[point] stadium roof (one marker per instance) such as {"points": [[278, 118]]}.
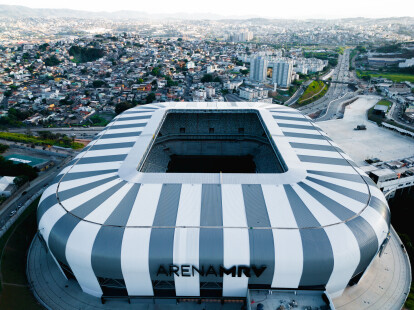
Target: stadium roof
{"points": [[322, 209]]}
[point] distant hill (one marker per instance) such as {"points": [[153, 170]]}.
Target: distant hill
{"points": [[22, 11], [17, 11]]}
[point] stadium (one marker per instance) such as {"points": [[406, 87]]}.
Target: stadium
{"points": [[212, 200]]}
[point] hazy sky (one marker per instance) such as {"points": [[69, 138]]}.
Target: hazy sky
{"points": [[263, 8]]}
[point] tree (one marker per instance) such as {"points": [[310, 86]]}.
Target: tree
{"points": [[98, 83], [85, 54], [51, 61], [121, 107], [43, 47], [244, 71], [207, 78], [156, 71], [217, 79], [154, 85], [170, 82], [150, 98], [20, 180]]}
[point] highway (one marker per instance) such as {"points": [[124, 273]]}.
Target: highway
{"points": [[336, 90], [41, 181], [79, 133]]}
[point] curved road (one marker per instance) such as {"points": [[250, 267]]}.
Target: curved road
{"points": [[336, 90]]}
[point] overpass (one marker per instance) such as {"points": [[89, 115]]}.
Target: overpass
{"points": [[344, 82]]}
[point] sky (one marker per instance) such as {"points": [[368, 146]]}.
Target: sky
{"points": [[260, 8]]}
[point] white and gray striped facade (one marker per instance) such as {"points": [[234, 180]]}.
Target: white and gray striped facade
{"points": [[319, 224]]}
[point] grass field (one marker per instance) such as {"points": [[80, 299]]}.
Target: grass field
{"points": [[395, 77], [18, 137], [315, 90], [385, 102], [15, 293]]}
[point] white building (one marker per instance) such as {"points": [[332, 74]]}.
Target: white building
{"points": [[407, 63], [282, 73], [242, 36], [210, 91], [232, 84], [253, 94], [212, 68], [190, 65], [258, 69], [199, 95], [7, 186]]}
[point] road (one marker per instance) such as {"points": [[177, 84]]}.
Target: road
{"points": [[34, 187], [335, 91], [333, 107], [298, 93], [39, 148], [80, 133], [396, 113], [233, 98]]}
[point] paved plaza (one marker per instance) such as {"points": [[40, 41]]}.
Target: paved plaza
{"points": [[376, 141]]}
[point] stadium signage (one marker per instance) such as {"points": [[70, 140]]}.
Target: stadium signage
{"points": [[191, 270]]}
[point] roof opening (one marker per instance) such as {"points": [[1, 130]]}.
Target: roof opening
{"points": [[208, 141]]}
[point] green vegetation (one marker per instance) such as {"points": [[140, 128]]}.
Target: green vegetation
{"points": [[400, 206], [391, 48], [340, 50], [51, 61], [207, 78], [49, 139], [98, 83], [395, 77], [332, 57], [353, 53], [85, 54], [14, 118], [150, 98], [16, 294], [385, 102], [156, 71], [170, 82], [409, 304], [3, 148], [98, 121], [43, 47], [123, 106], [24, 171], [315, 90]]}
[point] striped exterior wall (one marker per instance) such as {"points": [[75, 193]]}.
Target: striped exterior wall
{"points": [[318, 231]]}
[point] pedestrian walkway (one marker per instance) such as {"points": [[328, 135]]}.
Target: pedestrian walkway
{"points": [[384, 286], [55, 292]]}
